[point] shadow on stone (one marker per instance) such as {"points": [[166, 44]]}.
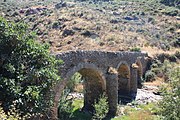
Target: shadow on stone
{"points": [[124, 98]]}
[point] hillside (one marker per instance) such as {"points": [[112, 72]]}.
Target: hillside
{"points": [[100, 25]]}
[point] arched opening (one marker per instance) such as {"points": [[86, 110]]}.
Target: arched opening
{"points": [[139, 73], [92, 85], [123, 82]]}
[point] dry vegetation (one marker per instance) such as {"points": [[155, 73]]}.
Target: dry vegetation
{"points": [[115, 25]]}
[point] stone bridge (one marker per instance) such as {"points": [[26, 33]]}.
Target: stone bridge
{"points": [[115, 73]]}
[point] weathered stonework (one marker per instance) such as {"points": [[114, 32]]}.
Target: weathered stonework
{"points": [[94, 67]]}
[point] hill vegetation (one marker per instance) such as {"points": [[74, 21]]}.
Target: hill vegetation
{"points": [[102, 25]]}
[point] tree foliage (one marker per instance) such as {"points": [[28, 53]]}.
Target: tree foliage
{"points": [[11, 115], [171, 97], [27, 70]]}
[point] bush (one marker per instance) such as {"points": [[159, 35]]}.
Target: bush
{"points": [[171, 2], [65, 109], [55, 25], [166, 69], [163, 69], [136, 49], [171, 11], [157, 72], [75, 80], [101, 108], [12, 115], [169, 106], [150, 76], [27, 70], [177, 54], [172, 58]]}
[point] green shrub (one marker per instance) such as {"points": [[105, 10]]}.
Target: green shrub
{"points": [[166, 69], [169, 106], [75, 80], [65, 109], [154, 65], [12, 115], [157, 72], [172, 58], [101, 108], [135, 49], [171, 11], [55, 25], [171, 2], [177, 54], [150, 76], [27, 70]]}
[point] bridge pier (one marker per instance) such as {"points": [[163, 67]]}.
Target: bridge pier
{"points": [[133, 83], [112, 92], [58, 91]]}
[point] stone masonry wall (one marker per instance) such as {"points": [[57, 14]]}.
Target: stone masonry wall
{"points": [[100, 62]]}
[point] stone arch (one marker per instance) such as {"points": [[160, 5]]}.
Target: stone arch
{"points": [[89, 66], [139, 72], [95, 84], [123, 79]]}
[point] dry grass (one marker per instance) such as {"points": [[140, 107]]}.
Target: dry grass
{"points": [[141, 115], [79, 88], [153, 51], [157, 82]]}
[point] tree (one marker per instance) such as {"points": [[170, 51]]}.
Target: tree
{"points": [[27, 70], [101, 108], [171, 97]]}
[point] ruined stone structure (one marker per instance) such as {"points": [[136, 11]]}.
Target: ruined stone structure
{"points": [[115, 73]]}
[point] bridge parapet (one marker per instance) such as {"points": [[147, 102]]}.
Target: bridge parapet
{"points": [[102, 59]]}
